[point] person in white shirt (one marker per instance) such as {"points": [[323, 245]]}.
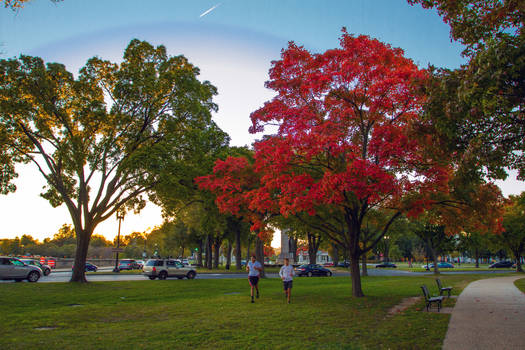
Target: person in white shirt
{"points": [[286, 274], [254, 269]]}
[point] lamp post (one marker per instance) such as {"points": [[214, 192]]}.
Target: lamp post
{"points": [[120, 217]]}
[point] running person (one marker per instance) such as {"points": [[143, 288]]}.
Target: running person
{"points": [[286, 274], [254, 269]]}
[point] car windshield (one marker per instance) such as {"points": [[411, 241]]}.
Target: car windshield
{"points": [[154, 263], [17, 262]]}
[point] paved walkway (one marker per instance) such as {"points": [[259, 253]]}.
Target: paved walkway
{"points": [[489, 314]]}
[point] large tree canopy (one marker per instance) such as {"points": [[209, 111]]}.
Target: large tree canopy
{"points": [[108, 137], [480, 107], [345, 143]]}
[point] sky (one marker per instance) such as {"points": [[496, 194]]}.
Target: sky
{"points": [[232, 42]]}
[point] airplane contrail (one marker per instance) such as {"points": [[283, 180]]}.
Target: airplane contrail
{"points": [[209, 10]]}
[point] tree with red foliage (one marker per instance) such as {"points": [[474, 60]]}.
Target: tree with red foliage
{"points": [[345, 144]]}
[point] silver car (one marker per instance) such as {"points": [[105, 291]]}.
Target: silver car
{"points": [[14, 269], [163, 268]]}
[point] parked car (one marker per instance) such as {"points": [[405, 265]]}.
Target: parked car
{"points": [[328, 264], [141, 264], [46, 270], [312, 270], [502, 264], [386, 265], [343, 264], [163, 268], [14, 269], [441, 265], [89, 267], [128, 264]]}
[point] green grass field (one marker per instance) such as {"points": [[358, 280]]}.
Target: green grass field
{"points": [[520, 284], [216, 314]]}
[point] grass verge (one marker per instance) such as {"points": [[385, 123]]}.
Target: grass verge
{"points": [[520, 284], [216, 314]]}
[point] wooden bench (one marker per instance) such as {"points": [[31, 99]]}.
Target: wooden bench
{"points": [[431, 299], [443, 289]]}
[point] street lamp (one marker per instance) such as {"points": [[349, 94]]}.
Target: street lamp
{"points": [[120, 217]]}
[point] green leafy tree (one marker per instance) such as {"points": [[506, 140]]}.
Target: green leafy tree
{"points": [[513, 237], [105, 139], [478, 108]]}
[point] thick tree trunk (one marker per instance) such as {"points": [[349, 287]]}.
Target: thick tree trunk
{"points": [[181, 252], [293, 248], [313, 247], [229, 255], [476, 254], [79, 267], [357, 291], [335, 254], [363, 265], [259, 253], [238, 253]]}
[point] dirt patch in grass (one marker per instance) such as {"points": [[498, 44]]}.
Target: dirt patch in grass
{"points": [[405, 304]]}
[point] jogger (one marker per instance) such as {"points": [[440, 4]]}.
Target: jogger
{"points": [[254, 269], [286, 274]]}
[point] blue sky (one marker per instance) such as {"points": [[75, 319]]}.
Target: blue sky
{"points": [[233, 45]]}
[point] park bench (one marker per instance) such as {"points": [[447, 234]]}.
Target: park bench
{"points": [[443, 289], [431, 299]]}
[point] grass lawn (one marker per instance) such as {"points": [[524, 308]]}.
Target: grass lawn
{"points": [[216, 314], [520, 284]]}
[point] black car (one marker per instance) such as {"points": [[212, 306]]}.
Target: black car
{"points": [[386, 264], [502, 265], [312, 270], [89, 267]]}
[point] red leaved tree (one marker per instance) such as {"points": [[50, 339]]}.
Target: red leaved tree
{"points": [[345, 145]]}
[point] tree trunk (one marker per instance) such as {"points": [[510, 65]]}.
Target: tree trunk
{"points": [[182, 252], [238, 253], [248, 252], [313, 247], [259, 254], [517, 256], [79, 267], [216, 253], [357, 291], [363, 265], [199, 253], [433, 256], [476, 254], [229, 254], [209, 252], [293, 248], [335, 254]]}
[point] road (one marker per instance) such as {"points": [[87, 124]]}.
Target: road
{"points": [[64, 276]]}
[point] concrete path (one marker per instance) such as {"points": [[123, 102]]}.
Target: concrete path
{"points": [[489, 314]]}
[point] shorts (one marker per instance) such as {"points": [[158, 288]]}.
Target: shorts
{"points": [[287, 284], [253, 280]]}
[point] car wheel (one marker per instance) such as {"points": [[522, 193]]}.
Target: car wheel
{"points": [[309, 274], [47, 272], [163, 275], [152, 277], [33, 276], [191, 275], [329, 274]]}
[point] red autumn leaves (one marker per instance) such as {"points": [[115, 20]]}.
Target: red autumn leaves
{"points": [[345, 137]]}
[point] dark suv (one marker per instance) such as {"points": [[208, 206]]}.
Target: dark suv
{"points": [[163, 268]]}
